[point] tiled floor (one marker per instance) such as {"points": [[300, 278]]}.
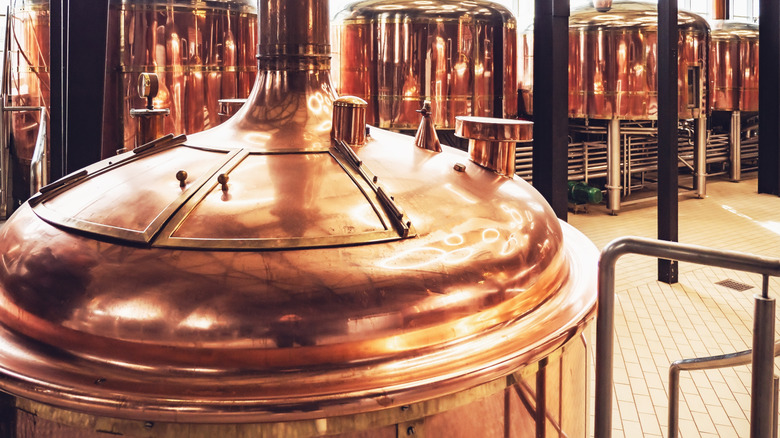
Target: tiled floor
{"points": [[657, 323]]}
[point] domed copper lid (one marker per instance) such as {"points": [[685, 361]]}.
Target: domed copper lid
{"points": [[631, 15], [262, 272]]}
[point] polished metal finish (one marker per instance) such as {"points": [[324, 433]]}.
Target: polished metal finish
{"points": [[396, 54], [229, 107], [506, 407], [763, 366], [39, 167], [426, 137], [733, 66], [294, 278], [602, 5], [150, 120], [613, 63], [735, 146], [700, 157], [613, 166], [202, 51], [349, 120], [492, 141], [25, 87], [605, 320]]}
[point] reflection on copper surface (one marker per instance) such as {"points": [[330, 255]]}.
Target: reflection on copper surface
{"points": [[294, 280], [613, 63], [396, 54], [202, 52], [733, 67], [29, 85]]}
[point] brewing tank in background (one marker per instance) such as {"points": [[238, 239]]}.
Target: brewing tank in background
{"points": [[395, 54], [613, 63], [734, 66], [613, 96], [733, 75], [27, 86], [202, 51]]}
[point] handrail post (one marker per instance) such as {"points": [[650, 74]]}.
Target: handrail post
{"points": [[605, 324], [762, 382]]}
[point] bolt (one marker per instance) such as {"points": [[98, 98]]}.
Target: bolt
{"points": [[99, 380], [410, 430], [148, 425], [405, 408]]}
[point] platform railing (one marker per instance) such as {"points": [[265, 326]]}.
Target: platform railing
{"points": [[762, 387]]}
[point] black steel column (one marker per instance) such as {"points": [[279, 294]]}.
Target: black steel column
{"points": [[78, 48], [769, 98], [667, 133], [551, 88]]}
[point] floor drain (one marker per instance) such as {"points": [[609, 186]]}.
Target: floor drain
{"points": [[731, 284]]}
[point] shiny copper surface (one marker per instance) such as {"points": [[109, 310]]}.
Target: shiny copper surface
{"points": [[261, 272], [733, 68], [203, 51], [549, 392], [492, 141], [613, 63], [396, 54], [426, 137], [349, 120], [29, 83]]}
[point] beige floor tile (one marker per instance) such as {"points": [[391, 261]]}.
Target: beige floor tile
{"points": [[659, 323]]}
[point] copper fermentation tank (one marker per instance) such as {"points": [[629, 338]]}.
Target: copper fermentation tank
{"points": [[396, 54], [28, 86], [613, 62], [734, 66], [734, 83], [202, 51], [263, 279]]}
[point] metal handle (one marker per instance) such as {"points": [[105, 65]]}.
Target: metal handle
{"points": [[605, 322], [39, 167]]}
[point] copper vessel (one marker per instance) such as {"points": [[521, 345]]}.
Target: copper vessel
{"points": [[264, 279], [613, 62], [27, 86], [396, 54], [202, 51], [734, 66]]}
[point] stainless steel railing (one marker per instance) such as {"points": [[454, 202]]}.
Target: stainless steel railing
{"points": [[709, 363], [762, 393]]}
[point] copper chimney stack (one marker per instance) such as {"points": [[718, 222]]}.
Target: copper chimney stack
{"points": [[293, 94]]}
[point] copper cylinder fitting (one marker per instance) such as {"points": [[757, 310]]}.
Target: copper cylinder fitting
{"points": [[602, 5], [492, 141], [287, 42], [150, 120], [349, 120]]}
